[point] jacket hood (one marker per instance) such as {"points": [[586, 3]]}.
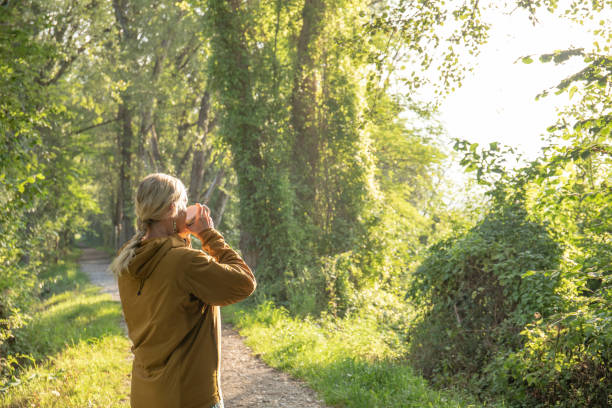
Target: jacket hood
{"points": [[150, 252]]}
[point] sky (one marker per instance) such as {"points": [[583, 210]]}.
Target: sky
{"points": [[497, 100]]}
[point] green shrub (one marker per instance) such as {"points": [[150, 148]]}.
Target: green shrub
{"points": [[22, 288], [18, 289], [565, 361], [476, 296], [331, 285]]}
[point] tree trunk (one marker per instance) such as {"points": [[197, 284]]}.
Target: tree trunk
{"points": [[268, 232], [221, 209], [125, 135], [303, 104], [124, 228], [147, 124], [158, 162], [234, 82], [200, 152], [211, 189]]}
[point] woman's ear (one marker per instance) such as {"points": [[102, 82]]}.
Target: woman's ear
{"points": [[172, 211]]}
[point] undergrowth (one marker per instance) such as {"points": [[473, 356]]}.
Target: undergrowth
{"points": [[72, 352]]}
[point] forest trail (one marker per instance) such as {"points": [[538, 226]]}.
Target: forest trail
{"points": [[246, 381]]}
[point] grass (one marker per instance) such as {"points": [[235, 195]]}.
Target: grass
{"points": [[348, 362], [73, 353]]}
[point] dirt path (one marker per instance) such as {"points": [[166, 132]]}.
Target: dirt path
{"points": [[245, 379]]}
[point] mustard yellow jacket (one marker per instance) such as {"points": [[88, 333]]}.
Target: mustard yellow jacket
{"points": [[170, 296]]}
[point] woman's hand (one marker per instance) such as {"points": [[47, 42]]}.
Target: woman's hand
{"points": [[198, 218]]}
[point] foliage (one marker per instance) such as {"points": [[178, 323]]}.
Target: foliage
{"points": [[567, 355], [477, 294], [18, 137], [41, 185], [407, 33], [562, 355], [407, 167]]}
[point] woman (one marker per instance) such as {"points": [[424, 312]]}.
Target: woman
{"points": [[171, 293]]}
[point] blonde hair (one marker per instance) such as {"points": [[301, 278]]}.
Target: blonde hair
{"points": [[155, 195]]}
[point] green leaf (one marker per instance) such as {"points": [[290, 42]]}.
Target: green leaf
{"points": [[546, 57]]}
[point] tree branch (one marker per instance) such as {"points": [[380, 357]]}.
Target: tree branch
{"points": [[85, 129]]}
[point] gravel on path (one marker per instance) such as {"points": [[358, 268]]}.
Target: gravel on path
{"points": [[246, 381]]}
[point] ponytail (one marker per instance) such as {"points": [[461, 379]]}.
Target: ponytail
{"points": [[122, 260]]}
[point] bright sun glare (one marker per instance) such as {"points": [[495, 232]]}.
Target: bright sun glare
{"points": [[497, 100]]}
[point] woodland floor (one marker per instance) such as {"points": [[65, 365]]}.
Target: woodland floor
{"points": [[246, 380]]}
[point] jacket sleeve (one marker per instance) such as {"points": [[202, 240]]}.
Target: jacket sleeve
{"points": [[221, 278]]}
